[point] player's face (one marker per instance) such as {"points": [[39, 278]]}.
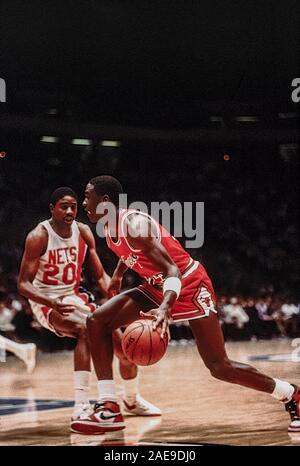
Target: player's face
{"points": [[91, 202], [65, 210]]}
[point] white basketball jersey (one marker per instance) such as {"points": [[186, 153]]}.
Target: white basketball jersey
{"points": [[59, 271]]}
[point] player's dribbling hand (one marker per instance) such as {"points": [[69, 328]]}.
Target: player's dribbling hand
{"points": [[160, 316], [61, 307]]}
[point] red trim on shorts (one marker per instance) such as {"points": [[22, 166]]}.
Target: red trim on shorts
{"points": [[82, 296], [45, 310], [195, 296], [81, 254], [85, 299], [92, 306], [148, 294]]}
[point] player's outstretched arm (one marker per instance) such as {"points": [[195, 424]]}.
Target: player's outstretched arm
{"points": [[116, 280], [140, 236], [35, 246], [94, 264]]}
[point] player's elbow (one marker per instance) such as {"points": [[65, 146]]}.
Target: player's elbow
{"points": [[22, 288], [174, 271]]}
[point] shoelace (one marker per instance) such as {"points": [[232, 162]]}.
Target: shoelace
{"points": [[292, 408], [98, 406]]}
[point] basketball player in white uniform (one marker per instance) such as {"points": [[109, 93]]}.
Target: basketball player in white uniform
{"points": [[49, 278]]}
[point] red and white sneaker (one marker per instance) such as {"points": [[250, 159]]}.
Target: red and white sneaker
{"points": [[106, 417], [293, 408]]}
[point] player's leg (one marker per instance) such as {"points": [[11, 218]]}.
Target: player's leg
{"points": [[114, 313], [24, 351], [127, 369], [74, 326], [133, 402], [117, 312], [210, 344]]}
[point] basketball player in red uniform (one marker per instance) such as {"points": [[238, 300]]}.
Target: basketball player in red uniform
{"points": [[50, 276], [176, 286]]}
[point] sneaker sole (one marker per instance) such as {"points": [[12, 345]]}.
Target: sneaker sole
{"points": [[294, 430], [94, 428]]}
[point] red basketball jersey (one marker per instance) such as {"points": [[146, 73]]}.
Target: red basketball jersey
{"points": [[136, 260]]}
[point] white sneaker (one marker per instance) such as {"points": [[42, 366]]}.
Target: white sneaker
{"points": [[141, 407], [29, 356], [81, 411]]}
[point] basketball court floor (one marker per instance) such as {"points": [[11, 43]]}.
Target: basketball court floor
{"points": [[197, 409]]}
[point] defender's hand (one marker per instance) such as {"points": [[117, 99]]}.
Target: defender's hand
{"points": [[62, 308]]}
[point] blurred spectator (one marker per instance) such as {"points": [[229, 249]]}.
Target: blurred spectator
{"points": [[289, 316], [268, 319], [234, 321], [6, 315], [181, 333], [254, 326]]}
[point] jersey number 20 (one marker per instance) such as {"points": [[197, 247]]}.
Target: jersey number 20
{"points": [[69, 274]]}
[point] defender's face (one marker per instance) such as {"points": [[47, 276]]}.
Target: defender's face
{"points": [[91, 202], [65, 210]]}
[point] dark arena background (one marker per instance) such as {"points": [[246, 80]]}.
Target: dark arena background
{"points": [[183, 101]]}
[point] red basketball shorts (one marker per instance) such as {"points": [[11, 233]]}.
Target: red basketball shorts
{"points": [[196, 299]]}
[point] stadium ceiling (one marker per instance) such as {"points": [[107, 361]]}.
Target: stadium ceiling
{"points": [[171, 64]]}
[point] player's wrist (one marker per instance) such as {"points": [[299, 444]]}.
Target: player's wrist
{"points": [[52, 303], [172, 284], [166, 308]]}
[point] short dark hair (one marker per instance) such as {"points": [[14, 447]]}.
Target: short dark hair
{"points": [[59, 193], [106, 184]]}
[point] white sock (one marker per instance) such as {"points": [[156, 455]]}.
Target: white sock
{"points": [[131, 389], [283, 391], [107, 390], [81, 386], [16, 348]]}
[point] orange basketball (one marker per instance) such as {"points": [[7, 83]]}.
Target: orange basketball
{"points": [[142, 345]]}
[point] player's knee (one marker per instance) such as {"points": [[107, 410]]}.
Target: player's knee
{"points": [[221, 370], [96, 319], [90, 322], [123, 360]]}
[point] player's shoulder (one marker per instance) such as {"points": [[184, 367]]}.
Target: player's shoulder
{"points": [[137, 218], [85, 232], [138, 223], [37, 237], [39, 232], [83, 227]]}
